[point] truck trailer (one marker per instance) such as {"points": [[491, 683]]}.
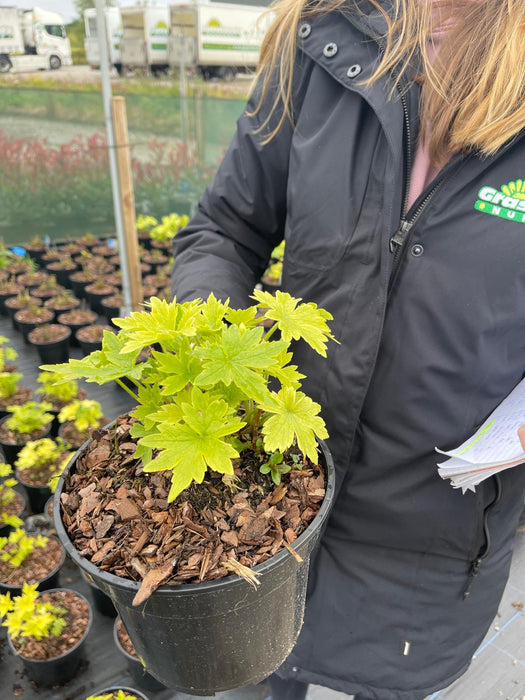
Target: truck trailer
{"points": [[32, 40], [217, 39], [144, 42], [114, 35]]}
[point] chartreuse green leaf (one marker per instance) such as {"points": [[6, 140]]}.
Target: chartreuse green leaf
{"points": [[161, 324], [240, 357], [294, 417], [188, 448], [246, 317], [101, 366], [295, 320], [212, 314], [175, 370]]}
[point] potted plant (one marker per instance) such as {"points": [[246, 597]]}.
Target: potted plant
{"points": [[12, 503], [162, 234], [271, 279], [154, 257], [30, 421], [119, 692], [8, 288], [186, 465], [144, 224], [136, 670], [10, 392], [111, 307], [51, 341], [88, 240], [19, 264], [20, 301], [7, 355], [79, 280], [36, 249], [63, 268], [78, 418], [38, 462], [90, 337], [30, 317], [33, 278], [26, 558], [65, 301], [50, 255], [96, 291], [47, 289], [75, 320], [115, 279], [159, 280], [58, 395], [106, 250], [70, 249], [47, 632]]}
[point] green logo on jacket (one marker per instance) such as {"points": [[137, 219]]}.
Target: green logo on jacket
{"points": [[507, 203]]}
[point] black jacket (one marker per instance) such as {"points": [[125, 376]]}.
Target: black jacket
{"points": [[432, 334]]}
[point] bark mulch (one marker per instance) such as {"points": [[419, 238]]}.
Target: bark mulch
{"points": [[77, 619], [12, 438], [119, 518], [15, 507], [37, 566], [19, 398], [39, 476]]}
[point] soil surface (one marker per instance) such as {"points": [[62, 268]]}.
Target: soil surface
{"points": [[119, 518], [36, 567], [93, 334], [12, 438], [57, 305], [77, 619], [41, 475], [16, 303], [15, 507], [28, 315], [78, 316], [124, 640], [49, 333], [17, 399]]}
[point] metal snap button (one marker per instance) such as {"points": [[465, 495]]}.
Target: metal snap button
{"points": [[417, 250], [304, 30], [330, 49], [354, 70], [294, 669]]}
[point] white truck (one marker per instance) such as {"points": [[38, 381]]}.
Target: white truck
{"points": [[144, 42], [114, 35], [217, 39], [32, 40]]}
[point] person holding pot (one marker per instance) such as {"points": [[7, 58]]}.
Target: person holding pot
{"points": [[384, 141]]}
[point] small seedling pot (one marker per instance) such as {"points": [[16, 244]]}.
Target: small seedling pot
{"points": [[36, 495], [53, 351], [60, 669], [114, 688], [217, 635], [11, 449], [45, 584], [6, 529], [136, 670]]}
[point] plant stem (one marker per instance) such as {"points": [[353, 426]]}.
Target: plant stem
{"points": [[131, 393], [270, 332]]}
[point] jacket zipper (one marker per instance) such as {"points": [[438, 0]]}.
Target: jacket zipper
{"points": [[485, 546]]}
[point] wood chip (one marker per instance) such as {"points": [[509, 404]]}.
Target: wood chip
{"points": [[152, 580]]}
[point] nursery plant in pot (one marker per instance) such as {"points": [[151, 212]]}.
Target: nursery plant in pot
{"points": [[38, 462], [62, 269], [36, 249], [88, 240], [27, 558], [30, 280], [51, 341], [8, 288], [18, 302], [12, 503], [10, 393], [47, 289], [31, 317], [30, 421], [97, 291], [79, 280], [162, 234], [119, 692], [196, 498], [135, 667], [144, 224], [154, 257], [75, 320], [58, 395], [47, 632], [90, 337], [111, 306], [78, 418], [271, 279], [7, 355], [63, 302]]}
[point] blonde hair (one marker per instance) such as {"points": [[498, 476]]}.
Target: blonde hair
{"points": [[473, 93]]}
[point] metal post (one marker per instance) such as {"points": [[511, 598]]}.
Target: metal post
{"points": [[117, 204], [182, 88]]}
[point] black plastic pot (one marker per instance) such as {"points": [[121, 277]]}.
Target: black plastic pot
{"points": [[45, 584], [74, 327], [54, 351], [61, 669], [130, 691], [25, 327], [6, 529], [3, 297], [101, 600], [218, 635], [135, 668], [36, 495], [10, 449]]}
